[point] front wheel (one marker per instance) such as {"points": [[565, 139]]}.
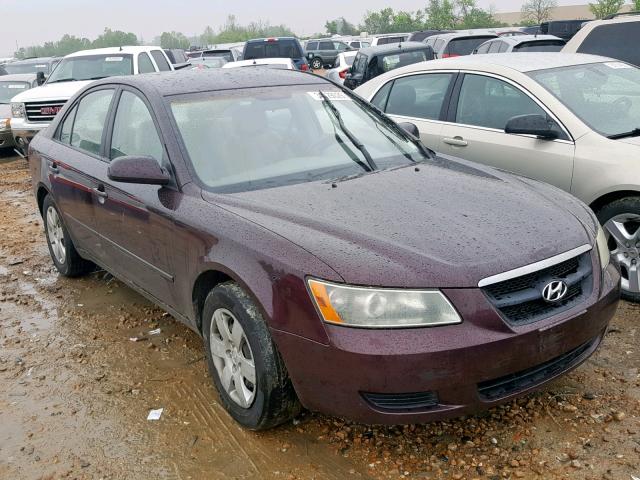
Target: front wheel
{"points": [[63, 253], [316, 63], [621, 222], [243, 361]]}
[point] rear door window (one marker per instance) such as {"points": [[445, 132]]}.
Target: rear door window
{"points": [[89, 121], [419, 96], [617, 40], [326, 46], [161, 60]]}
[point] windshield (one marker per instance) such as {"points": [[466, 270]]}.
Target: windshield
{"points": [[226, 54], [8, 90], [31, 67], [92, 67], [269, 137], [605, 96], [272, 49], [540, 46]]}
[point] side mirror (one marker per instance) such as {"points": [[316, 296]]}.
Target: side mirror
{"points": [[411, 129], [534, 124], [40, 79], [134, 169], [309, 56]]}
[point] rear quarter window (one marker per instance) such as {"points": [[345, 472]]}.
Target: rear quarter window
{"points": [[618, 40]]}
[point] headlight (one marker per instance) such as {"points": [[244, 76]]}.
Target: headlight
{"points": [[381, 307], [5, 124], [603, 248], [18, 110]]}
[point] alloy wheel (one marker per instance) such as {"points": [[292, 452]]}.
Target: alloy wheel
{"points": [[316, 64], [232, 357], [55, 234], [623, 232]]}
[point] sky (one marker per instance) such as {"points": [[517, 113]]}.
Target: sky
{"points": [[33, 22]]}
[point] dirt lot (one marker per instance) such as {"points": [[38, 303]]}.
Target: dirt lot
{"points": [[75, 392]]}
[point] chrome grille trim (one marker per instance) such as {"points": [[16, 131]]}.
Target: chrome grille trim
{"points": [[534, 267]]}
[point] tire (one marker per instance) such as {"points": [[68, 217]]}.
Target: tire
{"points": [[316, 63], [271, 399], [63, 253], [621, 222]]}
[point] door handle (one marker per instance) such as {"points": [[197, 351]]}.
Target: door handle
{"points": [[455, 141], [99, 191]]}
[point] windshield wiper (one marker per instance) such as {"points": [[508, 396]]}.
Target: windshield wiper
{"points": [[357, 143], [97, 78], [631, 133]]}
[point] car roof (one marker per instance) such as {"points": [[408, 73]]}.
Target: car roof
{"points": [[28, 61], [260, 61], [393, 47], [194, 81], [19, 77], [518, 39], [113, 50], [520, 61], [462, 34]]}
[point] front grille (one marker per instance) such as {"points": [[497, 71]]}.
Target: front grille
{"points": [[402, 402], [519, 300], [491, 390], [43, 111]]}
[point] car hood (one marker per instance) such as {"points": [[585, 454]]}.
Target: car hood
{"points": [[5, 110], [444, 224], [630, 140], [54, 91]]}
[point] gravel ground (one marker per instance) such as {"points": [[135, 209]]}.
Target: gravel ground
{"points": [[75, 392]]}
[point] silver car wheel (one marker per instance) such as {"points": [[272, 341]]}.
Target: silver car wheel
{"points": [[55, 234], [232, 357], [623, 232]]}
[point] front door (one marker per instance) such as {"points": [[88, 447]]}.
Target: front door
{"points": [[475, 131]]}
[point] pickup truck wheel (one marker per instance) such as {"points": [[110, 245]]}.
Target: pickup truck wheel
{"points": [[243, 361], [316, 63], [64, 255], [621, 222]]}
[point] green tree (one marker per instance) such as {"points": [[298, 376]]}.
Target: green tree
{"points": [[377, 22], [636, 5], [604, 8], [534, 12], [208, 37], [115, 38], [440, 15], [174, 40], [340, 26]]}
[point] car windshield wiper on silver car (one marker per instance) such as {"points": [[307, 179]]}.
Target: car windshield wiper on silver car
{"points": [[631, 133], [63, 80], [357, 143]]}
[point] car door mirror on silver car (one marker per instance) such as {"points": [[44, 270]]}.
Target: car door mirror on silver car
{"points": [[535, 124], [138, 169]]}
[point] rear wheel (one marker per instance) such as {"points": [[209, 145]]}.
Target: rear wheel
{"points": [[316, 63], [621, 222], [63, 253], [246, 367]]}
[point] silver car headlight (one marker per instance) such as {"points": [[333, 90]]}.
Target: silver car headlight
{"points": [[381, 307], [5, 124], [18, 110], [603, 248]]}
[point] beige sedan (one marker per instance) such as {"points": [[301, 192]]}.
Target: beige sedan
{"points": [[571, 120]]}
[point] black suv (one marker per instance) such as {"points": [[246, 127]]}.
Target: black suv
{"points": [[373, 61], [280, 47]]}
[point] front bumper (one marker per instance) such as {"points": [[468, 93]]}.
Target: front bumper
{"points": [[442, 372], [23, 131]]}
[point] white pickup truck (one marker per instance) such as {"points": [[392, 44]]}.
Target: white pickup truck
{"points": [[33, 110]]}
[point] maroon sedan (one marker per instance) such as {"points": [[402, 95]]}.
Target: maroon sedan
{"points": [[327, 258]]}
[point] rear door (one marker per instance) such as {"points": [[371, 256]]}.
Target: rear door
{"points": [[479, 109], [76, 166], [420, 99], [327, 51]]}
